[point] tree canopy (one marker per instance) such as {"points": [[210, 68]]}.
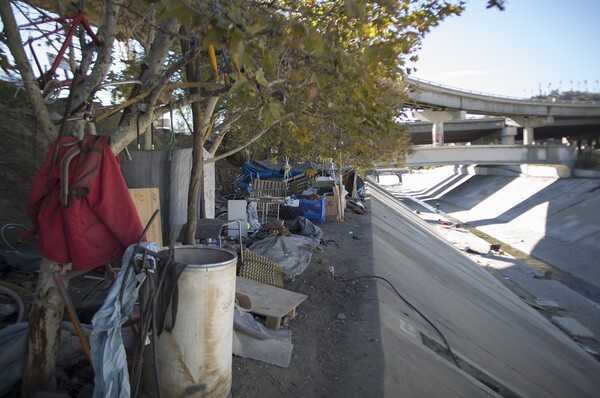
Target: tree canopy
{"points": [[319, 76]]}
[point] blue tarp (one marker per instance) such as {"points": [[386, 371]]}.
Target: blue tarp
{"points": [[265, 170]]}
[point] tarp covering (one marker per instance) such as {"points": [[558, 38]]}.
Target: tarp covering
{"points": [[265, 170], [292, 253], [169, 171]]}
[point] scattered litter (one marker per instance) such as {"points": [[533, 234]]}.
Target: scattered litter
{"points": [[450, 224], [546, 274], [332, 241], [471, 251], [332, 271], [341, 317], [547, 304], [356, 206]]}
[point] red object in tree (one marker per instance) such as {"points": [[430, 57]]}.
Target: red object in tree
{"points": [[99, 222]]}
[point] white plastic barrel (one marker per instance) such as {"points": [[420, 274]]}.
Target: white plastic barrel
{"points": [[195, 358]]}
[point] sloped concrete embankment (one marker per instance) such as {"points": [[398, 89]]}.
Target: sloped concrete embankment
{"points": [[555, 220], [501, 345]]}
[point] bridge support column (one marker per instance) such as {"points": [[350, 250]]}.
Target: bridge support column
{"points": [[508, 135], [529, 124], [528, 135], [438, 118], [437, 133]]}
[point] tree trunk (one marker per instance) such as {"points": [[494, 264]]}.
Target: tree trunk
{"points": [[195, 177], [44, 332]]}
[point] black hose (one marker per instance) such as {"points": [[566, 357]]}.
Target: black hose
{"points": [[412, 307], [3, 234]]}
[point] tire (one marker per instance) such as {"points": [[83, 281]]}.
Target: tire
{"points": [[13, 297], [221, 215]]}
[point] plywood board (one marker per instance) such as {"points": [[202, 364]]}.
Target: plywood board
{"points": [[331, 208], [147, 201], [272, 302]]}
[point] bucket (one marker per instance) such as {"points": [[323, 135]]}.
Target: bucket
{"points": [[195, 358]]}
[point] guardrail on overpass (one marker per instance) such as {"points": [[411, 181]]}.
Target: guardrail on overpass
{"points": [[561, 156]]}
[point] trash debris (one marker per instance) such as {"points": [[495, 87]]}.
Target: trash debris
{"points": [[471, 251], [356, 206]]}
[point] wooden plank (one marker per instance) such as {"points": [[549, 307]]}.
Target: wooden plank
{"points": [[147, 201], [269, 301]]}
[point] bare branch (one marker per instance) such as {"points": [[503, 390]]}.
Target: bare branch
{"points": [[106, 33], [247, 144], [13, 41]]}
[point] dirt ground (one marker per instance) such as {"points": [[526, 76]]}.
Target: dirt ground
{"points": [[336, 350]]}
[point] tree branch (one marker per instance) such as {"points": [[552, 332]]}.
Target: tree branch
{"points": [[13, 41], [106, 33], [247, 144]]}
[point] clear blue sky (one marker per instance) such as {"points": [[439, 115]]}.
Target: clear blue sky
{"points": [[532, 43]]}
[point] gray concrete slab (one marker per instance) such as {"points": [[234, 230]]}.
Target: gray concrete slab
{"points": [[573, 327], [484, 322]]}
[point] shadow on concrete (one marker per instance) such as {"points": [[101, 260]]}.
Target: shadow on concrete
{"points": [[554, 220]]}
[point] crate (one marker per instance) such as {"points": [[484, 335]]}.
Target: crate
{"points": [[313, 208]]}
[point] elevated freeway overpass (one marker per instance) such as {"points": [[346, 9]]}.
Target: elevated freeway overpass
{"points": [[490, 130], [441, 105]]}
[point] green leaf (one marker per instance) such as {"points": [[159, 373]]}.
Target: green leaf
{"points": [[257, 27], [276, 109], [355, 8], [179, 11], [260, 78], [239, 86], [170, 4]]}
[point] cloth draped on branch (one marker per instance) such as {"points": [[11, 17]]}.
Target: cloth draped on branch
{"points": [[94, 220]]}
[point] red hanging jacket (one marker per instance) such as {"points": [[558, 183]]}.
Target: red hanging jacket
{"points": [[100, 220]]}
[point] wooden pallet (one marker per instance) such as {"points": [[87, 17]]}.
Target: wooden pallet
{"points": [[270, 301]]}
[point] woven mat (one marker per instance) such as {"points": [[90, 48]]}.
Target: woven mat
{"points": [[258, 268]]}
